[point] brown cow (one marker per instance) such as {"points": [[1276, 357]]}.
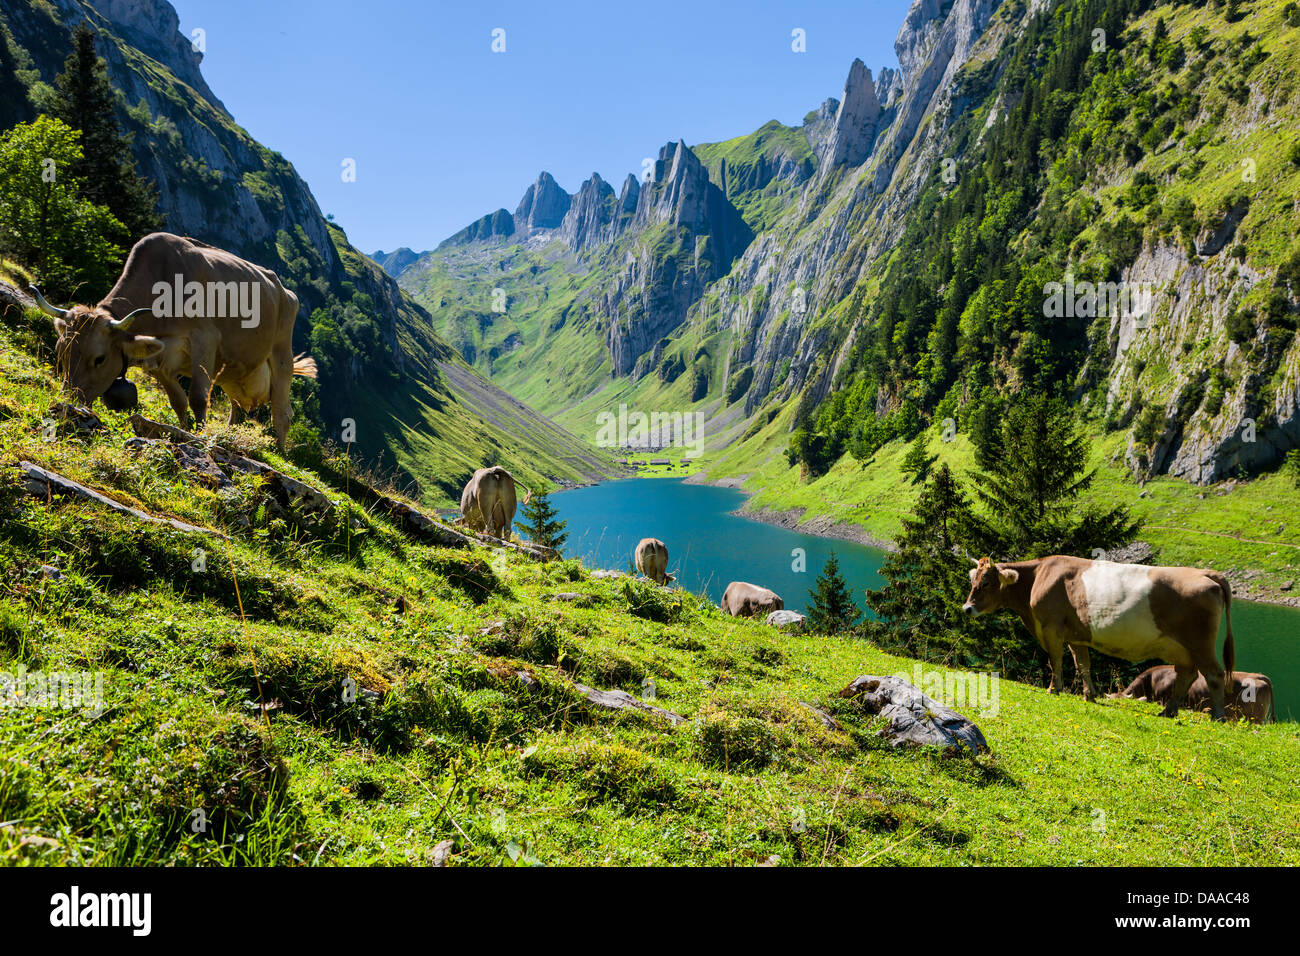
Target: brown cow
{"points": [[1249, 698], [651, 557], [1126, 610], [742, 599], [184, 308], [488, 501]]}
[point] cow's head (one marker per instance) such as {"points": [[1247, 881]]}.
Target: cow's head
{"points": [[987, 582], [94, 350]]}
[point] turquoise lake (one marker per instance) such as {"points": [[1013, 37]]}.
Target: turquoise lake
{"points": [[709, 547]]}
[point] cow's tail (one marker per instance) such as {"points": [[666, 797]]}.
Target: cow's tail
{"points": [[527, 493], [304, 365], [1229, 648]]}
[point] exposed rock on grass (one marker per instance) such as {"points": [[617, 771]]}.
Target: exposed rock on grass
{"points": [[912, 718], [787, 620], [43, 483], [622, 700]]}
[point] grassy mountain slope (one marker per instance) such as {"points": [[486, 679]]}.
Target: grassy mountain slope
{"points": [[754, 164], [1120, 163], [225, 693]]}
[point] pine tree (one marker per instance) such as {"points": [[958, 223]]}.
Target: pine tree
{"points": [[832, 609], [1032, 489], [85, 101], [928, 578], [919, 460], [542, 526]]}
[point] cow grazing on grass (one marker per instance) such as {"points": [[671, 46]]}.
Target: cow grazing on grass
{"points": [[742, 599], [184, 308], [1249, 697], [1125, 610], [651, 557], [488, 502]]}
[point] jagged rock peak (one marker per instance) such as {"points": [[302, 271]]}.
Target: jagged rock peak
{"points": [[889, 84], [629, 195], [962, 21], [683, 194], [543, 206], [591, 212], [856, 121]]}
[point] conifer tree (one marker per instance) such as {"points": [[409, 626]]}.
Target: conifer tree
{"points": [[542, 524], [928, 578], [919, 460], [833, 609], [1032, 490], [85, 101]]}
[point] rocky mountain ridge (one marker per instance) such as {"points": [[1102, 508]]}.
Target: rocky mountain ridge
{"points": [[769, 287]]}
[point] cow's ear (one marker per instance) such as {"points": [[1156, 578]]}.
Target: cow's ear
{"points": [[973, 572], [142, 349], [61, 327], [1008, 577]]}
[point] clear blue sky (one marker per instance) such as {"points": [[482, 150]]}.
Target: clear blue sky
{"points": [[444, 130]]}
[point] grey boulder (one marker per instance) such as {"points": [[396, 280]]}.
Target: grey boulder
{"points": [[787, 620], [913, 719]]}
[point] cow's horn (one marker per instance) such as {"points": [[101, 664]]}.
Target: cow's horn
{"points": [[45, 306], [124, 325]]}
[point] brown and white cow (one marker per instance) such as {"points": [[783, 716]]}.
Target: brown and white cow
{"points": [[1126, 610], [651, 557], [488, 501], [183, 308], [1250, 697], [742, 599]]}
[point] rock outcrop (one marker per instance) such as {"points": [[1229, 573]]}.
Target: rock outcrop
{"points": [[787, 621]]}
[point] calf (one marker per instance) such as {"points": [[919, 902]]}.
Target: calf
{"points": [[1249, 696]]}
